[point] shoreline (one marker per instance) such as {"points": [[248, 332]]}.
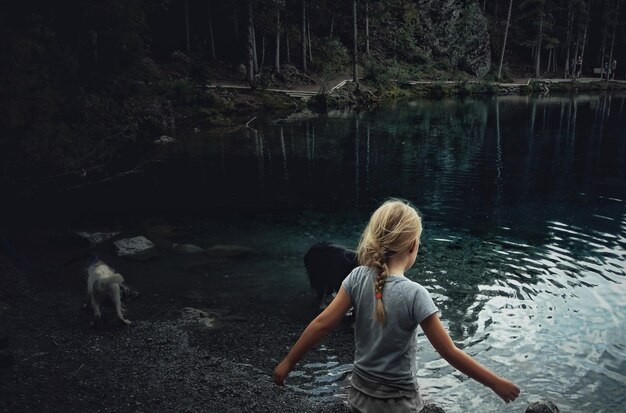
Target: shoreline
{"points": [[346, 95], [163, 362], [179, 354]]}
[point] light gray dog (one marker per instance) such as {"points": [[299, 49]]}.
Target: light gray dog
{"points": [[103, 283]]}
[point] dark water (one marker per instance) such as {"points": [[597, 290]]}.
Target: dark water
{"points": [[524, 208]]}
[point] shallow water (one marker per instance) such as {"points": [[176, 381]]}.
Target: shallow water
{"points": [[524, 244]]}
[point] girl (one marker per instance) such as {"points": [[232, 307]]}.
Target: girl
{"points": [[388, 309]]}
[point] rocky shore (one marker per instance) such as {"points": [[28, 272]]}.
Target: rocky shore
{"points": [[184, 352], [172, 358]]}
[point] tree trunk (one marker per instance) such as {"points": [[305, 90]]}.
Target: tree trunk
{"points": [[277, 55], [577, 45], [584, 42], [367, 28], [332, 26], [605, 33], [287, 54], [549, 60], [254, 51], [308, 34], [570, 22], [211, 39], [613, 40], [354, 46], [303, 36], [187, 42], [236, 25], [250, 46], [506, 33], [539, 39], [262, 52]]}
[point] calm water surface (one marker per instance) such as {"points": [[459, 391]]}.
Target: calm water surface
{"points": [[524, 246]]}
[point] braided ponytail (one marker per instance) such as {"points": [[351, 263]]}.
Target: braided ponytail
{"points": [[392, 228], [378, 289]]}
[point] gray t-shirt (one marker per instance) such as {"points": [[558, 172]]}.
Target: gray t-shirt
{"points": [[386, 354]]}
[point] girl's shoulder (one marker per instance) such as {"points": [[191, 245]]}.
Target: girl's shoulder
{"points": [[411, 287], [360, 273]]}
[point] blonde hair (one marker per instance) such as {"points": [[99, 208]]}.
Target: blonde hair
{"points": [[392, 229]]}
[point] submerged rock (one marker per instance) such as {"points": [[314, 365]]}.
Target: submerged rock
{"points": [[227, 251], [432, 408], [187, 248], [542, 406]]}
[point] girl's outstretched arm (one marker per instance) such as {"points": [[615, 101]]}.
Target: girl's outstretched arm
{"points": [[441, 341], [314, 333]]}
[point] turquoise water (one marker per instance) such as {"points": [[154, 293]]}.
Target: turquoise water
{"points": [[524, 243]]}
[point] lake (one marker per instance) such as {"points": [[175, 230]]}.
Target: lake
{"points": [[524, 245]]}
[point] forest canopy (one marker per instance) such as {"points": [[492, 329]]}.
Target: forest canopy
{"points": [[80, 78]]}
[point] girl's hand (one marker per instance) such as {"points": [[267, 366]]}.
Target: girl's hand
{"points": [[506, 389], [313, 334], [281, 372]]}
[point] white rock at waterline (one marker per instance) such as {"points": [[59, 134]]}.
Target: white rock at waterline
{"points": [[137, 248]]}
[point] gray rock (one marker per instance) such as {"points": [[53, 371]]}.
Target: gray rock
{"points": [[128, 293], [164, 140], [96, 237], [139, 248], [194, 315], [542, 406]]}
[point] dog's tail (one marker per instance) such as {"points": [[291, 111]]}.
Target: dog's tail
{"points": [[117, 278], [111, 279]]}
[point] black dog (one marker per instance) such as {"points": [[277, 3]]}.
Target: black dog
{"points": [[327, 264]]}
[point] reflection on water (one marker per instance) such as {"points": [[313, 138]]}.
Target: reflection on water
{"points": [[324, 380], [524, 247]]}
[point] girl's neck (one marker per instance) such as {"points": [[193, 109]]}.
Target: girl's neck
{"points": [[395, 268]]}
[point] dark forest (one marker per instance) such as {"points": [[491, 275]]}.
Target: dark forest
{"points": [[81, 79]]}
